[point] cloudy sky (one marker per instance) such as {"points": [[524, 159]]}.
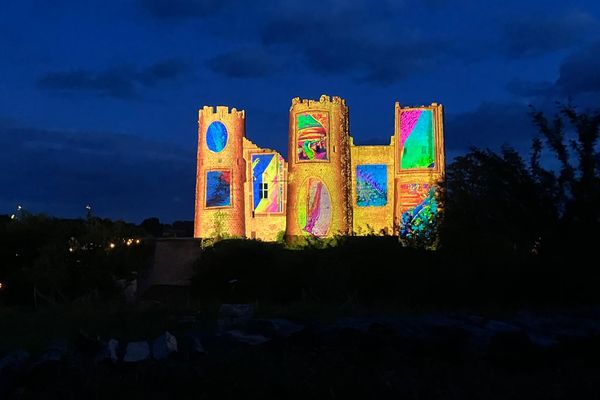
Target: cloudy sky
{"points": [[99, 99]]}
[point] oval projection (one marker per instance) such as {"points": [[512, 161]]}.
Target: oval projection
{"points": [[314, 208], [216, 136]]}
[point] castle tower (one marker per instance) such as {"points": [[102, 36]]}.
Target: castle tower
{"points": [[319, 168], [220, 172], [419, 168]]}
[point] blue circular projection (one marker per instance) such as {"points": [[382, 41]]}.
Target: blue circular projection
{"points": [[216, 136]]}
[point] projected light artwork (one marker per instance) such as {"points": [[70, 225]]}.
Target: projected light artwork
{"points": [[314, 214], [267, 183], [371, 185], [218, 189], [419, 211], [416, 139], [216, 137], [312, 130], [330, 186]]}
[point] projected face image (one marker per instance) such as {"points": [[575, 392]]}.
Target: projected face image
{"points": [[267, 183], [416, 139], [218, 189], [314, 208], [371, 185], [419, 210], [311, 140]]}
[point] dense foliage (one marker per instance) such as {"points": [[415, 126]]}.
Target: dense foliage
{"points": [[60, 260]]}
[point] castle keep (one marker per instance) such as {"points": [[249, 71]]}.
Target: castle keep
{"points": [[329, 185]]}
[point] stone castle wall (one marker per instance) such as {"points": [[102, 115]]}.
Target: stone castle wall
{"points": [[329, 185]]}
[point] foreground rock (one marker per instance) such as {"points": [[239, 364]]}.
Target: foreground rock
{"points": [[195, 344], [276, 327], [164, 346], [56, 352], [232, 315], [247, 338], [136, 352], [109, 351], [14, 361]]}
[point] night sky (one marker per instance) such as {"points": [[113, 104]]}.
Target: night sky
{"points": [[99, 99]]}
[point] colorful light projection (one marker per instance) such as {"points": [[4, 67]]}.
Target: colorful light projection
{"points": [[267, 183], [314, 208], [419, 211], [416, 139], [216, 136], [371, 185], [218, 188], [312, 129]]}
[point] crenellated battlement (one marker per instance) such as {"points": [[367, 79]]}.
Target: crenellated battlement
{"points": [[221, 111], [323, 100], [400, 107]]}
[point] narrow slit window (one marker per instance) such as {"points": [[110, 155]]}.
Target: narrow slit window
{"points": [[264, 190]]}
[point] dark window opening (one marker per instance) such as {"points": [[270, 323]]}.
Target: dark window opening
{"points": [[264, 191]]}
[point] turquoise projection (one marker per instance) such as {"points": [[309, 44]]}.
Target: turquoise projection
{"points": [[216, 137], [416, 139], [419, 211], [371, 185]]}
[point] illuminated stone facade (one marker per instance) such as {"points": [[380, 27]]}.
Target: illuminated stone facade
{"points": [[329, 185]]}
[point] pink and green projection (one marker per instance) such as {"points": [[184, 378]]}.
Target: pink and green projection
{"points": [[267, 183], [416, 139], [218, 188], [314, 211], [419, 211], [311, 140]]}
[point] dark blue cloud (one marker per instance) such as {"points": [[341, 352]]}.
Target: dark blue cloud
{"points": [[490, 125], [578, 75], [530, 89], [122, 176], [538, 34], [183, 9], [122, 82], [244, 63], [580, 72], [352, 43]]}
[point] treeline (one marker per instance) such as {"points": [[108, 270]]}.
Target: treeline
{"points": [[500, 202], [45, 259], [512, 234]]}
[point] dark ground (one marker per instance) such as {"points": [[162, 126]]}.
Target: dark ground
{"points": [[545, 355]]}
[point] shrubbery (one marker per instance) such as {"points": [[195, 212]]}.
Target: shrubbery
{"points": [[63, 259]]}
